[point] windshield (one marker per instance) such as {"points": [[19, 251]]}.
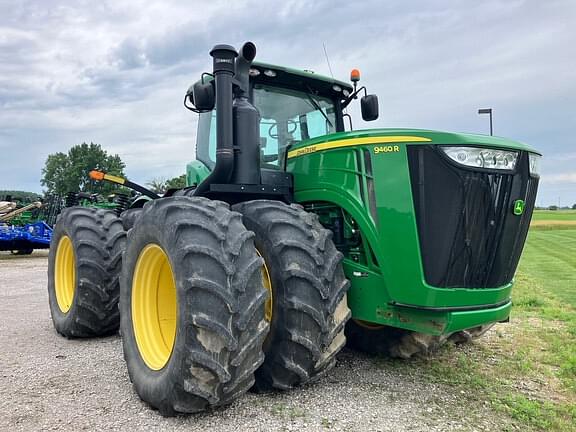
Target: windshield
{"points": [[287, 117]]}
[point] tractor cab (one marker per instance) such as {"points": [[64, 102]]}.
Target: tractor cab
{"points": [[293, 106]]}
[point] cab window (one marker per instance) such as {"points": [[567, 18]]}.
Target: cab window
{"points": [[287, 117]]}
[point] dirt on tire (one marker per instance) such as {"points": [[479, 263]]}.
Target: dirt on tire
{"points": [[220, 305], [97, 240], [309, 293]]}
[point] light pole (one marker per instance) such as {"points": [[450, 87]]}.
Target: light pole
{"points": [[487, 111]]}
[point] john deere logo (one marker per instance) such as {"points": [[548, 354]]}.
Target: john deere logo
{"points": [[518, 207]]}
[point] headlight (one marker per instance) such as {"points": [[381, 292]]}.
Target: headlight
{"points": [[482, 157], [534, 160]]}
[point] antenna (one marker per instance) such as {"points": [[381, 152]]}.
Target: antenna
{"points": [[327, 59]]}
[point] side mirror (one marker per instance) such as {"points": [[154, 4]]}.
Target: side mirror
{"points": [[204, 97], [369, 106]]}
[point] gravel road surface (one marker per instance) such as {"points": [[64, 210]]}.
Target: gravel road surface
{"points": [[50, 383]]}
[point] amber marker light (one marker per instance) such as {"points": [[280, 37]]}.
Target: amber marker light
{"points": [[355, 75], [96, 175]]}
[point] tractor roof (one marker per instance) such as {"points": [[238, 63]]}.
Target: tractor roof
{"points": [[295, 78], [285, 76]]}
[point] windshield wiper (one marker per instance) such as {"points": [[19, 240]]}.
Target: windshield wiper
{"points": [[317, 107]]}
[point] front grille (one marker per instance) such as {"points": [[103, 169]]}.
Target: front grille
{"points": [[469, 235]]}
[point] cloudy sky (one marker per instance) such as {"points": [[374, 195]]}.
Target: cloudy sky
{"points": [[115, 72]]}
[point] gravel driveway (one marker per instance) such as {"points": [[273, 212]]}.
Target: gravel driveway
{"points": [[50, 383]]}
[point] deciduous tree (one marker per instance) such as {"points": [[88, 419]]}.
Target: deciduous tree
{"points": [[176, 182], [65, 173], [160, 185]]}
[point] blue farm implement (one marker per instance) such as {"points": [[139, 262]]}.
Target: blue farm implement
{"points": [[24, 239]]}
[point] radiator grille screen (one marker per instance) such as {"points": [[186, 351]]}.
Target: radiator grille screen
{"points": [[469, 235]]}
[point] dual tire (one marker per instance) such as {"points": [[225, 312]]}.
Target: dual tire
{"points": [[201, 348], [84, 266], [203, 298], [308, 287]]}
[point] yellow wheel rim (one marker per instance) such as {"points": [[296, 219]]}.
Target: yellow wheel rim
{"points": [[267, 282], [154, 306], [65, 274]]}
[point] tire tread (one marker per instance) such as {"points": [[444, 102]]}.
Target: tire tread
{"points": [[98, 239]]}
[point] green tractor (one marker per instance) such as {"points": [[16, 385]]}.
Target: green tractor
{"points": [[293, 236]]}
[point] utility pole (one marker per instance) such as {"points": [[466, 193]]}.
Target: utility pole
{"points": [[487, 111]]}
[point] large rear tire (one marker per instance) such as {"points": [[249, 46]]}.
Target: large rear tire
{"points": [[308, 309], [192, 305], [84, 265]]}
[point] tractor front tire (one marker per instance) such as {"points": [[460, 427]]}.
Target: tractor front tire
{"points": [[83, 272], [399, 343], [191, 305], [307, 307]]}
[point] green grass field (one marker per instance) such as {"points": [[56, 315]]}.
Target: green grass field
{"points": [[554, 215], [549, 259]]}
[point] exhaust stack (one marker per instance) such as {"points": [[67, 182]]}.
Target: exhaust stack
{"points": [[246, 123]]}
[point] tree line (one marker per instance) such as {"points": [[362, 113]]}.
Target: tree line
{"points": [[19, 196]]}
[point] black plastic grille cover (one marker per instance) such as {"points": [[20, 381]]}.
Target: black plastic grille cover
{"points": [[469, 235]]}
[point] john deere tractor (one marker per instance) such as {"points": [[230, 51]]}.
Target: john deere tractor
{"points": [[295, 232]]}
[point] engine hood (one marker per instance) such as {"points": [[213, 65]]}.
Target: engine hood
{"points": [[411, 136]]}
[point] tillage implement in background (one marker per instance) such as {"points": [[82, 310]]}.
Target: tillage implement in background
{"points": [[25, 227], [295, 233]]}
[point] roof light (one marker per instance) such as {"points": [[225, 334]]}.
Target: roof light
{"points": [[270, 73], [254, 72], [355, 75], [336, 88]]}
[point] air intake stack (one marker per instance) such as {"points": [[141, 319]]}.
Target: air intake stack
{"points": [[237, 120]]}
